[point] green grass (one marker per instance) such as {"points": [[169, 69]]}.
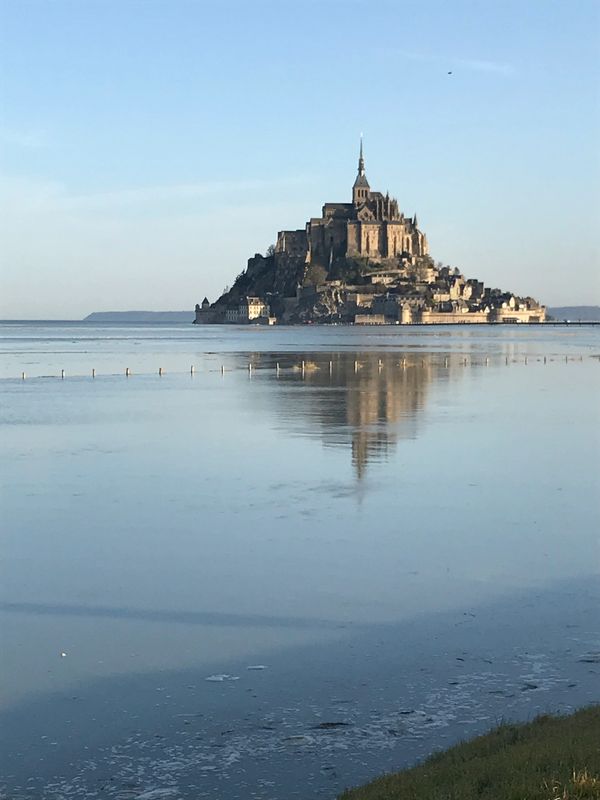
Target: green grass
{"points": [[551, 758]]}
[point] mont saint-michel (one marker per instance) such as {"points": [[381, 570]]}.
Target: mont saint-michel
{"points": [[362, 262]]}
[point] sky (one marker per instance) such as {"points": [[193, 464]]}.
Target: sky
{"points": [[148, 149]]}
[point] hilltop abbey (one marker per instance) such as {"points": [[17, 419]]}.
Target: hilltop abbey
{"points": [[361, 262], [370, 226]]}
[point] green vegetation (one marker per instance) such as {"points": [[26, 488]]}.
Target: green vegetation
{"points": [[352, 269], [315, 275], [551, 758]]}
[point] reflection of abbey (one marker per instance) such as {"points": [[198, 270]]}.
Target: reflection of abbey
{"points": [[361, 262], [365, 402]]}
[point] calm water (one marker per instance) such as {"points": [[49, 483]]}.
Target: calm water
{"points": [[400, 538]]}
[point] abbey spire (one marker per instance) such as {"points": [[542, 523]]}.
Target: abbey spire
{"points": [[361, 189]]}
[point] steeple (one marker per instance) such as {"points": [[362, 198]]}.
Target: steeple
{"points": [[361, 160], [361, 188], [415, 223]]}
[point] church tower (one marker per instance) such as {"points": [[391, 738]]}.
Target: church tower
{"points": [[361, 188]]}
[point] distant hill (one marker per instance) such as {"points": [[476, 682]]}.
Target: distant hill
{"points": [[140, 316], [576, 313]]}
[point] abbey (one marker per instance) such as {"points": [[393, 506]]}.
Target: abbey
{"points": [[371, 226], [361, 262]]}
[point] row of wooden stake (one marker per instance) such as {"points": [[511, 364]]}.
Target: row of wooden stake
{"points": [[357, 365]]}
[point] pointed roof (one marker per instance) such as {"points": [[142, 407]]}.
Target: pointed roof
{"points": [[361, 178]]}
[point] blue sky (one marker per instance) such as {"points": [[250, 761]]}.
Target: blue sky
{"points": [[149, 148]]}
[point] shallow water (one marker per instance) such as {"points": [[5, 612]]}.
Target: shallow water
{"points": [[403, 534]]}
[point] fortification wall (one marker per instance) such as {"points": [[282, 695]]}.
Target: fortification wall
{"points": [[455, 317]]}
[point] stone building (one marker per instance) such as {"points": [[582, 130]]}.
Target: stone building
{"points": [[205, 314], [252, 308], [371, 226], [249, 309]]}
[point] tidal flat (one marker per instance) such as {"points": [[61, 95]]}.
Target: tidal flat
{"points": [[323, 555]]}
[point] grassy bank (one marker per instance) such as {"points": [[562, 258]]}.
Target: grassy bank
{"points": [[551, 758]]}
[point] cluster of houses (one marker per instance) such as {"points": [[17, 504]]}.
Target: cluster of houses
{"points": [[390, 297]]}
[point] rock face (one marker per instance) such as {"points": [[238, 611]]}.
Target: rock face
{"points": [[317, 306], [365, 262], [271, 276]]}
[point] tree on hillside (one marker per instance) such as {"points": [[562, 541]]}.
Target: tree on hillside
{"points": [[315, 275]]}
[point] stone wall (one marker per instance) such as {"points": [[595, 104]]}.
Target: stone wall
{"points": [[369, 319], [294, 243], [394, 234], [455, 317]]}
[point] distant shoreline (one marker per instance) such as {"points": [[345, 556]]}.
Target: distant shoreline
{"points": [[559, 315]]}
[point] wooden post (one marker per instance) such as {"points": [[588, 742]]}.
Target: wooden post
{"points": [[127, 373], [222, 369], [160, 371], [192, 370], [93, 373], [62, 373], [23, 376]]}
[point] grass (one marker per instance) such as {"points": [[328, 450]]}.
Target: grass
{"points": [[551, 758]]}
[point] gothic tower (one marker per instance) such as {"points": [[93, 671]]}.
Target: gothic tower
{"points": [[361, 188]]}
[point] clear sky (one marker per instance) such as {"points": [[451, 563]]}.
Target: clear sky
{"points": [[149, 148]]}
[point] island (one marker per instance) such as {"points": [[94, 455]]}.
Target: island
{"points": [[364, 263]]}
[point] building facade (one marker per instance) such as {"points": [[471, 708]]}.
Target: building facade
{"points": [[249, 309]]}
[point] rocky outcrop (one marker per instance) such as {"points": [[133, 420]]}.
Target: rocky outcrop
{"points": [[323, 305], [351, 289], [270, 276]]}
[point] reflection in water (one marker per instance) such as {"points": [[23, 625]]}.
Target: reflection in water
{"points": [[365, 400]]}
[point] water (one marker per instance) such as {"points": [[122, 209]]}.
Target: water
{"points": [[403, 536]]}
